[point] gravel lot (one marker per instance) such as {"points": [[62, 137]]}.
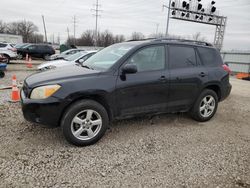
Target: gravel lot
{"points": [[162, 151]]}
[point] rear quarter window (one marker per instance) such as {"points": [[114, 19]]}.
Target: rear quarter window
{"points": [[2, 45], [210, 57]]}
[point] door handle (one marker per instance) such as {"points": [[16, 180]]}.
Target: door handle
{"points": [[162, 79], [202, 74]]}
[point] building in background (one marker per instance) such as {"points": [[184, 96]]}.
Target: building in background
{"points": [[237, 61], [14, 39]]}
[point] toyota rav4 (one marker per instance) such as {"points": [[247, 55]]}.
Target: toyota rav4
{"points": [[126, 80]]}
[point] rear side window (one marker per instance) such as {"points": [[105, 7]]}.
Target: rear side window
{"points": [[182, 57], [2, 45], [210, 57]]}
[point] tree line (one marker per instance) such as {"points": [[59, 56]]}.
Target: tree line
{"points": [[30, 33], [27, 29]]}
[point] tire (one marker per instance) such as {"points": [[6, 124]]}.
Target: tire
{"points": [[204, 109], [80, 130], [7, 57], [46, 57], [2, 74], [20, 56]]}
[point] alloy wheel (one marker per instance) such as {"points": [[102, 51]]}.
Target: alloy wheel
{"points": [[86, 124], [207, 106]]}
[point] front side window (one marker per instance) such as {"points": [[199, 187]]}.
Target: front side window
{"points": [[182, 57], [149, 59]]}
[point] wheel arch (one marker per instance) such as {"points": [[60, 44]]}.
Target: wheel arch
{"points": [[214, 87], [95, 97]]}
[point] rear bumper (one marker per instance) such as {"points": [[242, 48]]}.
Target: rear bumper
{"points": [[47, 112], [225, 92]]}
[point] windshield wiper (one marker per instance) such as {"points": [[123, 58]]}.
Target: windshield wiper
{"points": [[86, 66]]}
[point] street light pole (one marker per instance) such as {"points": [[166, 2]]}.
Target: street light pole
{"points": [[168, 18]]}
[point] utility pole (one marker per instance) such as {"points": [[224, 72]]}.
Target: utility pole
{"points": [[68, 33], [74, 22], [157, 28], [168, 17], [96, 14], [45, 32]]}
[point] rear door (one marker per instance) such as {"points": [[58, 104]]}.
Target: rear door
{"points": [[187, 76], [147, 90]]}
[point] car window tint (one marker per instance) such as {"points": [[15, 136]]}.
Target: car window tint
{"points": [[182, 57], [2, 45], [150, 58], [210, 57], [31, 47]]}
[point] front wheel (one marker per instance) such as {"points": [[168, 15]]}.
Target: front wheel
{"points": [[205, 106], [84, 123]]}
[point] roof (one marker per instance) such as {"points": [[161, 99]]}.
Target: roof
{"points": [[172, 40]]}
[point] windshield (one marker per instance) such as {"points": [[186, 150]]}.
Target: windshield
{"points": [[74, 56], [107, 57]]}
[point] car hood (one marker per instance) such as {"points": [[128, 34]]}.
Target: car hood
{"points": [[54, 63], [56, 75]]}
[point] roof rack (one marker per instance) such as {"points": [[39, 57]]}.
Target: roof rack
{"points": [[140, 39], [185, 40]]}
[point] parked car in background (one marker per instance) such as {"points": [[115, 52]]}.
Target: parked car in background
{"points": [[126, 80], [37, 50], [65, 54], [77, 58], [8, 51]]}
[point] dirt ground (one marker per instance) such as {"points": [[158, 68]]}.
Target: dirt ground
{"points": [[164, 151]]}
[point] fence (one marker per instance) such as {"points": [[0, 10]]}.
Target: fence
{"points": [[237, 61]]}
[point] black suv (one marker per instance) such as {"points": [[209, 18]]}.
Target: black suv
{"points": [[36, 50], [126, 80]]}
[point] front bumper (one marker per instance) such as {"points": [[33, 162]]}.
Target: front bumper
{"points": [[47, 111]]}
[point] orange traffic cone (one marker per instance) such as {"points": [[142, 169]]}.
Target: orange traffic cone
{"points": [[15, 94], [29, 65]]}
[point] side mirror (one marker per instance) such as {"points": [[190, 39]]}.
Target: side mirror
{"points": [[81, 61], [129, 69]]}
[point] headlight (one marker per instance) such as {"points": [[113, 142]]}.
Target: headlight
{"points": [[44, 92], [51, 67]]}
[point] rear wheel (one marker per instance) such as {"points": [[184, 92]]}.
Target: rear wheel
{"points": [[7, 58], [19, 56], [84, 123], [2, 74], [46, 57], [205, 106]]}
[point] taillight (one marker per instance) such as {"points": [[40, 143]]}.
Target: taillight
{"points": [[226, 68], [13, 49]]}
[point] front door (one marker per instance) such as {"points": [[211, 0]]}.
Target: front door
{"points": [[147, 90]]}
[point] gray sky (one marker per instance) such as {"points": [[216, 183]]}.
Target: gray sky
{"points": [[126, 16]]}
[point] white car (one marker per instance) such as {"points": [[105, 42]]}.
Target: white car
{"points": [[65, 54], [8, 51], [77, 58]]}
